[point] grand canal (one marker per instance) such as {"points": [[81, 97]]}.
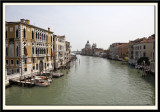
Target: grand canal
{"points": [[92, 81]]}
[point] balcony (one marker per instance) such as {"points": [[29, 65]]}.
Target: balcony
{"points": [[40, 55], [34, 55]]}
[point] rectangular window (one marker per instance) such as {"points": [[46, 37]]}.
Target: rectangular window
{"points": [[17, 51], [33, 67], [6, 51], [25, 61], [17, 62], [36, 66], [12, 62], [16, 33], [33, 60], [144, 47], [6, 62], [6, 34]]}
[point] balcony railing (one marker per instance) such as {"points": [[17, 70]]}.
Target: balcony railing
{"points": [[33, 55], [40, 55]]}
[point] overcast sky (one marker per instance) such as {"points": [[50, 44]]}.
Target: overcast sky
{"points": [[102, 25]]}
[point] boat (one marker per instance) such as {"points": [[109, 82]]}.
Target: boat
{"points": [[41, 82], [45, 78], [57, 75]]}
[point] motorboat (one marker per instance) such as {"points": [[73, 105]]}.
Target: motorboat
{"points": [[41, 82], [45, 78]]}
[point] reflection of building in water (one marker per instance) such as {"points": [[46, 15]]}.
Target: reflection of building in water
{"points": [[92, 51]]}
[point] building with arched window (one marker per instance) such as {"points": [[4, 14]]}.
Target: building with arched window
{"points": [[24, 52]]}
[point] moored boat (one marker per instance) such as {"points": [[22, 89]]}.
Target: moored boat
{"points": [[41, 82]]}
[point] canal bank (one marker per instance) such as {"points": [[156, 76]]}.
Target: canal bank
{"points": [[93, 81]]}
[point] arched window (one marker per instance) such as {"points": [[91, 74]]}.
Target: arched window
{"points": [[32, 50], [36, 35], [24, 33], [39, 51], [32, 34], [25, 50], [16, 33], [17, 51], [42, 36], [36, 51], [46, 38]]}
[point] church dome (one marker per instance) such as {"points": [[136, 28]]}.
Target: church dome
{"points": [[94, 45], [88, 45]]}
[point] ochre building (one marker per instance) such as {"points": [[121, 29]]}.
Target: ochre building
{"points": [[28, 48]]}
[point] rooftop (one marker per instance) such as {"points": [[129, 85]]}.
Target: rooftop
{"points": [[27, 22]]}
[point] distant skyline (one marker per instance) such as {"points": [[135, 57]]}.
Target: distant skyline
{"points": [[102, 25]]}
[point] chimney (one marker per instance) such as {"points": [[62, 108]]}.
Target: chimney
{"points": [[48, 28], [22, 20], [27, 21]]}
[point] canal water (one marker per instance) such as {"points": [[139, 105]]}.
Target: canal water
{"points": [[92, 81]]}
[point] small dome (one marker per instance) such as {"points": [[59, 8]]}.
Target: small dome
{"points": [[88, 45], [94, 45]]}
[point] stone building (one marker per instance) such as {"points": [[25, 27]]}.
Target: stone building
{"points": [[130, 49], [113, 50], [143, 49], [92, 51], [60, 51], [152, 65], [87, 50], [68, 51], [28, 47], [122, 51]]}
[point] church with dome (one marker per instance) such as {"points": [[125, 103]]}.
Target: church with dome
{"points": [[89, 50]]}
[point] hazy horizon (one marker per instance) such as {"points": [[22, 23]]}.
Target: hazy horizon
{"points": [[102, 25]]}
